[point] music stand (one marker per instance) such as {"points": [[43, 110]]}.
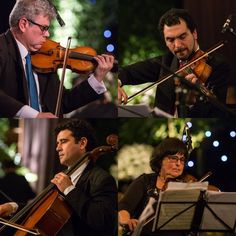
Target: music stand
{"points": [[160, 113], [220, 212], [175, 191], [195, 210], [137, 110]]}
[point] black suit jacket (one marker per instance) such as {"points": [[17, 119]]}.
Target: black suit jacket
{"points": [[13, 86], [94, 205], [150, 71]]}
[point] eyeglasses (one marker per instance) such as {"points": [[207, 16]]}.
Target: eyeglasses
{"points": [[175, 159], [43, 28]]}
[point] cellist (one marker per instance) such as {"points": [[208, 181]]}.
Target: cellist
{"points": [[90, 192], [26, 94]]}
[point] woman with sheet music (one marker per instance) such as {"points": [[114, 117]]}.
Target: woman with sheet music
{"points": [[167, 162]]}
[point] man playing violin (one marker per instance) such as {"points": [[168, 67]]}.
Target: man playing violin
{"points": [[90, 192], [27, 95], [180, 35]]}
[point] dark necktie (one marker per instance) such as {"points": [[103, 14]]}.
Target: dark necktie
{"points": [[33, 95]]}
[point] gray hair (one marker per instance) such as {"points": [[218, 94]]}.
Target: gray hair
{"points": [[30, 9]]}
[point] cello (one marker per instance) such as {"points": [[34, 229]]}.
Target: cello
{"points": [[48, 212]]}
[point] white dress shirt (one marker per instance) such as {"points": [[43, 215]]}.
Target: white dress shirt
{"points": [[75, 177]]}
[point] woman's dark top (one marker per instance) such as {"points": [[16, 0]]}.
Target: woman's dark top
{"points": [[137, 195]]}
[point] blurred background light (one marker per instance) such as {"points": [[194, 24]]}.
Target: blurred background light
{"points": [[190, 163], [208, 133], [216, 143], [110, 47], [224, 158], [107, 34]]}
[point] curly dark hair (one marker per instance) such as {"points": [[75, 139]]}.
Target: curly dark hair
{"points": [[168, 146], [79, 129], [173, 16]]}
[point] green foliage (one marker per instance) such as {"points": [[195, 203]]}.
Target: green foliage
{"points": [[4, 127], [138, 130], [151, 131], [86, 21], [94, 19], [6, 150], [133, 161], [147, 98], [138, 29]]}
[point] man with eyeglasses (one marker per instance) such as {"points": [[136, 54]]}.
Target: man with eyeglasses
{"points": [[25, 94]]}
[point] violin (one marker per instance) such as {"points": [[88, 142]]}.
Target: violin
{"points": [[200, 68], [187, 178], [51, 55]]}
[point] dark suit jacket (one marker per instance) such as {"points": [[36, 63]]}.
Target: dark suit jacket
{"points": [[94, 204], [13, 87], [150, 71]]}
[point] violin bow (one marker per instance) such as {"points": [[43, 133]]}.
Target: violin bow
{"points": [[19, 227], [160, 81], [59, 97]]}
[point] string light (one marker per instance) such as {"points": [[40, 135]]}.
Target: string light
{"points": [[189, 124], [224, 158], [110, 47], [216, 143], [208, 133], [232, 134], [107, 34], [190, 163]]}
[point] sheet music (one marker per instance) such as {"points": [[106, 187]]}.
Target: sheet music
{"points": [[146, 214], [184, 186], [224, 206], [178, 199]]}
